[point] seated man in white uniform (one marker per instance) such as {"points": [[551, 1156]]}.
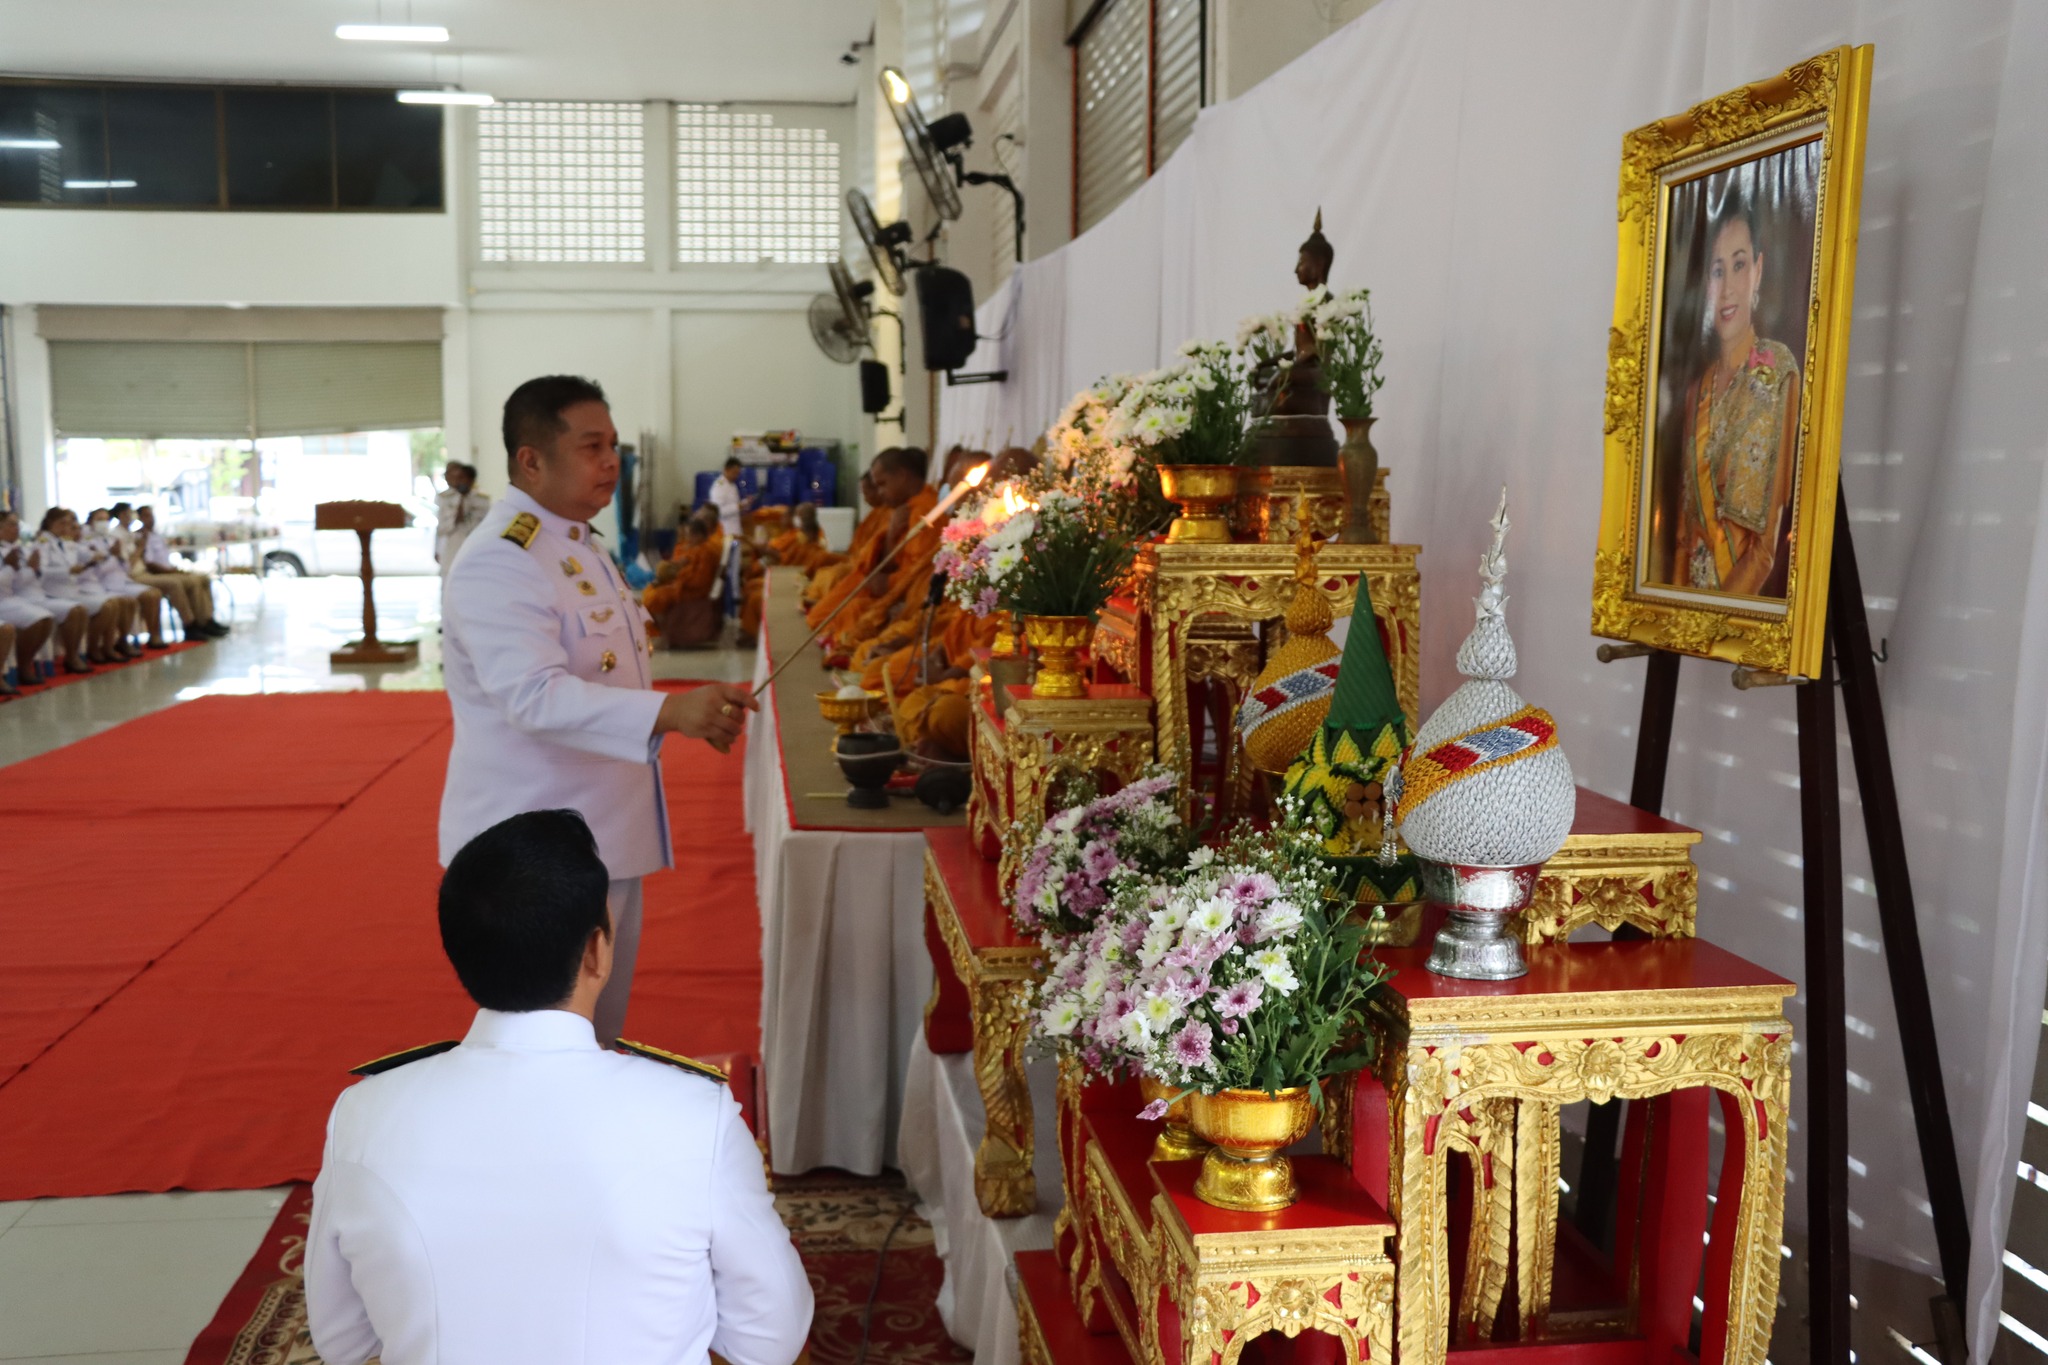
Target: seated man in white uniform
{"points": [[525, 1197]]}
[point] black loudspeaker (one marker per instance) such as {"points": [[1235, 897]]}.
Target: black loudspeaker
{"points": [[874, 387], [945, 315]]}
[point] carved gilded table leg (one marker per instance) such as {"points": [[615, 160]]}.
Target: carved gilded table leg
{"points": [[1003, 1182], [1538, 1140]]}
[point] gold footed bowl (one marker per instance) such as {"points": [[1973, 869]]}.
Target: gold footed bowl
{"points": [[1176, 1140], [1204, 494], [847, 712], [1247, 1130], [1059, 642]]}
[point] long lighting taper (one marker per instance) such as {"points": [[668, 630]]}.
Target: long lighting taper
{"points": [[930, 519]]}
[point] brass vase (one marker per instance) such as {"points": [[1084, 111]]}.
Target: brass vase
{"points": [[1059, 641], [1247, 1130], [1203, 493], [1176, 1140], [1360, 465]]}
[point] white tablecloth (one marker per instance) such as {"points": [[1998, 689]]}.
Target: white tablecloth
{"points": [[844, 973], [942, 1125]]}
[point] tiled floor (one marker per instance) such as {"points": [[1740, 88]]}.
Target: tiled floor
{"points": [[130, 1279]]}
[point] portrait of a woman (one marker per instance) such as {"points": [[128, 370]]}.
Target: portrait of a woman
{"points": [[1740, 431]]}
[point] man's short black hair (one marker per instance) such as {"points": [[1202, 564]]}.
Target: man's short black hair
{"points": [[533, 414], [904, 460], [732, 462], [518, 904], [124, 507]]}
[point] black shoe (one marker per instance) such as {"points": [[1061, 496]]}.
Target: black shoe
{"points": [[213, 628]]}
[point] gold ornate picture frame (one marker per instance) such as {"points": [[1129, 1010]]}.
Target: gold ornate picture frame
{"points": [[1725, 369]]}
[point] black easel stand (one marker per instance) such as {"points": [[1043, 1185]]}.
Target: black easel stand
{"points": [[1824, 1039]]}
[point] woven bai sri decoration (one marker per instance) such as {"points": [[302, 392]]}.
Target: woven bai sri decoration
{"points": [[1485, 795], [1339, 780], [1291, 695]]}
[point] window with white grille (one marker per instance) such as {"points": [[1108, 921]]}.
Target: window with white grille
{"points": [[562, 181], [749, 191]]}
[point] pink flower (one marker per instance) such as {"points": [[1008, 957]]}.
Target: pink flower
{"points": [[1239, 1000], [1191, 1045], [1154, 1111]]}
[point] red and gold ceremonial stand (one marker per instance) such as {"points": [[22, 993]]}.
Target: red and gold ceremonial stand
{"points": [[1414, 1238]]}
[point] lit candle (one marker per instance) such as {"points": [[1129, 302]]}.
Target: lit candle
{"points": [[966, 485]]}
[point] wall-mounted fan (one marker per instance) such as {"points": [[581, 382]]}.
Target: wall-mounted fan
{"points": [[924, 143], [933, 147], [885, 244], [839, 320]]}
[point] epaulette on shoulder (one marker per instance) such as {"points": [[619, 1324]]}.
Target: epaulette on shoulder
{"points": [[690, 1064], [522, 529], [398, 1059]]}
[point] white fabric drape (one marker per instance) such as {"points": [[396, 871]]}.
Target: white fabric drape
{"points": [[844, 972], [943, 1120], [1465, 155]]}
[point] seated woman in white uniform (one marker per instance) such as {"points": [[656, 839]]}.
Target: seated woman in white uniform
{"points": [[104, 538], [34, 616], [69, 575]]}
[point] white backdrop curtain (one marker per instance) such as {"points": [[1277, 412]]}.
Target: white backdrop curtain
{"points": [[1465, 155]]}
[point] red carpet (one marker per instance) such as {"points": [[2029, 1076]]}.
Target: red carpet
{"points": [[214, 1068]]}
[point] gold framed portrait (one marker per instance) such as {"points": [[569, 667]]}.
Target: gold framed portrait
{"points": [[1725, 369]]}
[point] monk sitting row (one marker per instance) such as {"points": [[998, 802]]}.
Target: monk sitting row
{"points": [[801, 546], [683, 599], [895, 564]]}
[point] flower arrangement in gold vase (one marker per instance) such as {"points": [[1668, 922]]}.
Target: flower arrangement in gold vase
{"points": [[1236, 985]]}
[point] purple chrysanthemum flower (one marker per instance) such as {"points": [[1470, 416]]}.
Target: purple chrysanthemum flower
{"points": [[1240, 999], [1191, 1045], [1155, 1110]]}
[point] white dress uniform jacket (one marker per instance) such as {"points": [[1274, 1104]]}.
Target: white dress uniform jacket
{"points": [[22, 603], [458, 514], [546, 656], [530, 1199]]}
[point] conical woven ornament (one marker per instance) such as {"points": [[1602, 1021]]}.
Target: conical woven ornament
{"points": [[1485, 783], [1339, 781], [1291, 695]]}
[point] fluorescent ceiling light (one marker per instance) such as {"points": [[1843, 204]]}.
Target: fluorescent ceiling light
{"points": [[392, 33], [895, 86], [28, 144], [99, 184], [443, 97]]}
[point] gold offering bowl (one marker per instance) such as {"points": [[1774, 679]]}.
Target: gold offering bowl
{"points": [[1248, 1129], [847, 712], [1204, 494], [1059, 642]]}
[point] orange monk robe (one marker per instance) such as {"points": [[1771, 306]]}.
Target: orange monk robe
{"points": [[831, 586], [828, 570], [696, 573], [955, 632], [868, 610], [939, 716]]}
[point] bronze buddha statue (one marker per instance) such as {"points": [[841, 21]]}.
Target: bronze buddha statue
{"points": [[1291, 408]]}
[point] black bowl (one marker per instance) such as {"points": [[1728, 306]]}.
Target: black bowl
{"points": [[869, 761]]}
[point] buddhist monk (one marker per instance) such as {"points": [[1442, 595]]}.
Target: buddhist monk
{"points": [[907, 547], [830, 573], [802, 543], [687, 579]]}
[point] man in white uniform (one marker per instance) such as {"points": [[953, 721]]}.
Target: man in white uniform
{"points": [[546, 657], [461, 510], [725, 497], [525, 1197]]}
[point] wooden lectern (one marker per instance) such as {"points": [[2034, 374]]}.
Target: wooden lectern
{"points": [[363, 518]]}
